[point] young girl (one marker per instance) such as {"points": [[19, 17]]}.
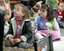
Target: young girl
{"points": [[46, 24], [20, 31], [5, 9]]}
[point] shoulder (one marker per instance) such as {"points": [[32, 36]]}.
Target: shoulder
{"points": [[38, 17], [7, 1], [56, 10], [27, 21], [13, 19], [54, 19]]}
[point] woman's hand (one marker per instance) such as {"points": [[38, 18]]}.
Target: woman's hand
{"points": [[18, 40], [12, 41], [7, 17]]}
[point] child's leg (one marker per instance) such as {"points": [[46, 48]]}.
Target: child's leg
{"points": [[55, 34], [60, 23], [38, 36]]}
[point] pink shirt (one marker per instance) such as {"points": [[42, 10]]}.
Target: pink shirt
{"points": [[18, 34]]}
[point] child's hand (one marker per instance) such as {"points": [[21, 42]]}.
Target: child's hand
{"points": [[18, 40], [63, 25], [58, 18], [11, 41]]}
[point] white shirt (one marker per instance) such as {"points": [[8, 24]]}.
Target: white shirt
{"points": [[4, 8]]}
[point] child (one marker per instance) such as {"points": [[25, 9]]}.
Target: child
{"points": [[20, 31], [5, 9], [46, 24], [60, 13]]}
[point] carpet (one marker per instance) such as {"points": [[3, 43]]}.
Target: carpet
{"points": [[16, 48], [57, 46]]}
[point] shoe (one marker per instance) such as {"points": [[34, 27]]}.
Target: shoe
{"points": [[25, 45]]}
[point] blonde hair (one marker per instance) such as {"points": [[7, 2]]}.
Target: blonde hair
{"points": [[24, 10]]}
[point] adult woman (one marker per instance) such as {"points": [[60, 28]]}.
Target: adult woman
{"points": [[9, 9]]}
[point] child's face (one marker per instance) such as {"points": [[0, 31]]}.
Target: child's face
{"points": [[43, 13], [61, 7], [18, 13]]}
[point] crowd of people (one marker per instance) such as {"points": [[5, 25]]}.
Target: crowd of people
{"points": [[51, 17]]}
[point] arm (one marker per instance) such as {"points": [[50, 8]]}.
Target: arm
{"points": [[9, 9], [7, 17], [10, 32], [10, 35], [27, 31], [34, 25], [56, 26]]}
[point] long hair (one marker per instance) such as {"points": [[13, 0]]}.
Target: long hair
{"points": [[49, 9], [24, 10]]}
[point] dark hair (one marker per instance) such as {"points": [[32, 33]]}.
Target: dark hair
{"points": [[49, 9]]}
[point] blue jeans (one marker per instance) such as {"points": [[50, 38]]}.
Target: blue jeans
{"points": [[60, 23]]}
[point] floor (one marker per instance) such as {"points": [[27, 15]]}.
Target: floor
{"points": [[58, 46], [62, 31], [32, 49]]}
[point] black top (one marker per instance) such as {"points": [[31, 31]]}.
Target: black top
{"points": [[1, 32]]}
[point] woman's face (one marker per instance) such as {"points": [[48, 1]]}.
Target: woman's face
{"points": [[43, 13]]}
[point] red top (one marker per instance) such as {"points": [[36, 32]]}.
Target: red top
{"points": [[60, 15]]}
